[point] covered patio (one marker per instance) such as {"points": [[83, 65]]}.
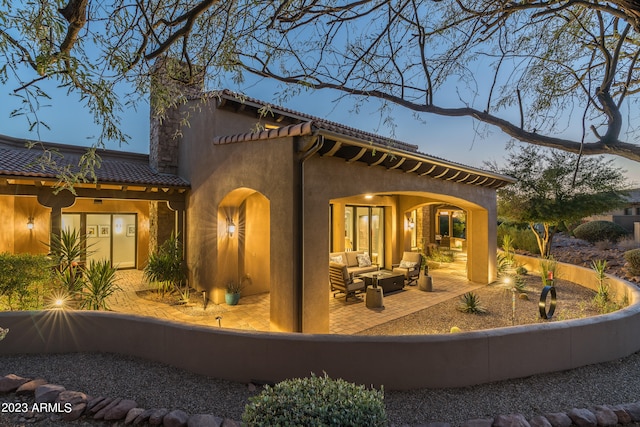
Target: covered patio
{"points": [[252, 313]]}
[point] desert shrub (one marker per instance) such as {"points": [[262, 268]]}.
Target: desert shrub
{"points": [[316, 401], [470, 303], [521, 237], [25, 280], [99, 285], [441, 255], [633, 258], [597, 231], [521, 270]]}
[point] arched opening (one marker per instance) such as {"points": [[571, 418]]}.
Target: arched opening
{"points": [[244, 224]]}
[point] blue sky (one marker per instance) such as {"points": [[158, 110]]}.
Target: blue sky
{"points": [[450, 138]]}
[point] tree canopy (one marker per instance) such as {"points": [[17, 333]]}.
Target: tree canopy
{"points": [[551, 190], [534, 69]]}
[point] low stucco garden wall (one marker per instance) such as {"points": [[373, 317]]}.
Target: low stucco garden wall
{"points": [[402, 362]]}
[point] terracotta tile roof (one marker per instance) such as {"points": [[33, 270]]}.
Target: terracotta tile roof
{"points": [[318, 121], [300, 129], [117, 167]]}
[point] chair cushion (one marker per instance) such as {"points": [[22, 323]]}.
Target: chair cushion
{"points": [[415, 257], [407, 264]]}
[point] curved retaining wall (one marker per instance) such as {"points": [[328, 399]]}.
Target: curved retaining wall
{"points": [[402, 362]]}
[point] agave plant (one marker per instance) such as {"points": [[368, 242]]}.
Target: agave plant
{"points": [[470, 303], [99, 285]]}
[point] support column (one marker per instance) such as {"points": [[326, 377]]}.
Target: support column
{"points": [[56, 202]]}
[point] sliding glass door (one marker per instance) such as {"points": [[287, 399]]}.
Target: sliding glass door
{"points": [[364, 231]]}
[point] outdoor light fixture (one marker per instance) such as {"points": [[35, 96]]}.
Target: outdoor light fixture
{"points": [[411, 224], [368, 196], [30, 223], [231, 227]]}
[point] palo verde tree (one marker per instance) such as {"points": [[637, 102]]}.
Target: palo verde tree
{"points": [[530, 68], [551, 190]]}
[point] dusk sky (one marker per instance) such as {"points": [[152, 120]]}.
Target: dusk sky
{"points": [[450, 138]]}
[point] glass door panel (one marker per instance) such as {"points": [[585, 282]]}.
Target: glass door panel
{"points": [[124, 241], [377, 235], [362, 228], [98, 237]]}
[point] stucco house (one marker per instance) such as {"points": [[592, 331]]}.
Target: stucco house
{"points": [[271, 203]]}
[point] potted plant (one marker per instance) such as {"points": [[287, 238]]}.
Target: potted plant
{"points": [[234, 290], [425, 283]]}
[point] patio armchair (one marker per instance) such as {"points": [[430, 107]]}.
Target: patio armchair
{"points": [[342, 282], [409, 266]]}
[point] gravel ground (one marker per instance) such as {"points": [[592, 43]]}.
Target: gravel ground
{"points": [[156, 385]]}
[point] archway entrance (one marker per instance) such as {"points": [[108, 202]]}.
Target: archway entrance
{"points": [[244, 221]]}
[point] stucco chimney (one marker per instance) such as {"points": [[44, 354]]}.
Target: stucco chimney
{"points": [[172, 85]]}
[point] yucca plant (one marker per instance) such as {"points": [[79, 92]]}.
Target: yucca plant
{"points": [[100, 280], [602, 299], [68, 249], [470, 303]]}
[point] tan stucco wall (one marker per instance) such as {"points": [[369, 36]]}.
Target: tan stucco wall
{"points": [[16, 214], [436, 361], [6, 223], [266, 167]]}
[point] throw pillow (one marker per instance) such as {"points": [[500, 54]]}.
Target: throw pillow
{"points": [[407, 264], [337, 259], [364, 260]]}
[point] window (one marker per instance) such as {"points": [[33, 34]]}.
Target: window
{"points": [[628, 211]]}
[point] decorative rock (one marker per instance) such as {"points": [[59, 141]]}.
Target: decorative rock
{"points": [[605, 416], [143, 417], [76, 412], [204, 420], [29, 388], [559, 419], [539, 421], [175, 418], [73, 397], [251, 387], [133, 414], [101, 413], [93, 402], [11, 383], [583, 417], [511, 420], [48, 393], [633, 409], [155, 419], [121, 410], [479, 422], [100, 405], [623, 416]]}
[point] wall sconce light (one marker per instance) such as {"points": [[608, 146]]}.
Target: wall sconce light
{"points": [[411, 224], [30, 223], [231, 227]]}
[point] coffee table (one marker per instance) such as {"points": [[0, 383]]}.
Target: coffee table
{"points": [[387, 280]]}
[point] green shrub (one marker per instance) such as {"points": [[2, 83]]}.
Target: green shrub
{"points": [[598, 231], [316, 401], [470, 303], [633, 258], [521, 237], [25, 281], [441, 255]]}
